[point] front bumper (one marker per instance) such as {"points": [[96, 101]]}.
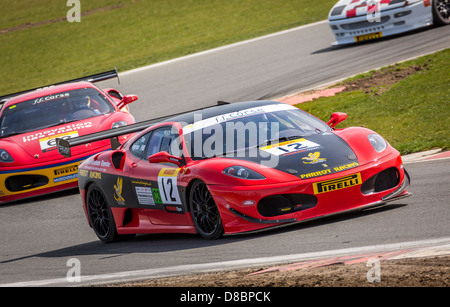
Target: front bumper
{"points": [[299, 201], [390, 22], [25, 182]]}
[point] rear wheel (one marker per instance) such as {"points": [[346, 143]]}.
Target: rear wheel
{"points": [[441, 12], [100, 215], [204, 212]]}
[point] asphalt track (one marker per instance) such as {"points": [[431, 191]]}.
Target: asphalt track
{"points": [[40, 236]]}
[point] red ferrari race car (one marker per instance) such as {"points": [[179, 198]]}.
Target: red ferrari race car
{"points": [[31, 121], [234, 168]]}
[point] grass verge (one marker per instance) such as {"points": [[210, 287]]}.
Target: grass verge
{"points": [[38, 46], [408, 104]]}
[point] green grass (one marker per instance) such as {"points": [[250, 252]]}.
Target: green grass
{"points": [[138, 33], [413, 115]]}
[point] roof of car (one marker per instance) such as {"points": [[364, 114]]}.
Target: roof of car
{"points": [[47, 91], [218, 110]]}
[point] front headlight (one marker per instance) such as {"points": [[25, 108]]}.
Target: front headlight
{"points": [[5, 156], [119, 124], [378, 143], [243, 173]]}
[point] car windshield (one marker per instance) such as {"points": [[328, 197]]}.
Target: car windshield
{"points": [[207, 138], [53, 110]]}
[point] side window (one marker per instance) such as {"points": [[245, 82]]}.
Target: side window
{"points": [[163, 139], [138, 147]]}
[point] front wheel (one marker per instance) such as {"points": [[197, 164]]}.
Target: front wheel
{"points": [[441, 12], [204, 212], [100, 215]]}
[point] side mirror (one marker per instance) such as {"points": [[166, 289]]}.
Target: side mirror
{"points": [[127, 99], [164, 157], [336, 118], [114, 94]]}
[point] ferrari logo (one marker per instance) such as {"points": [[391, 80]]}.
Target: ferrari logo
{"points": [[313, 158], [118, 192]]}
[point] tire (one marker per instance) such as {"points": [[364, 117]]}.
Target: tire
{"points": [[441, 12], [100, 215], [204, 212]]}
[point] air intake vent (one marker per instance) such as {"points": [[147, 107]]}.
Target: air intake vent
{"points": [[25, 182], [364, 24], [385, 180], [285, 203]]}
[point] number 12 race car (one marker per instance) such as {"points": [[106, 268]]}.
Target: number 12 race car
{"points": [[234, 168], [31, 121]]}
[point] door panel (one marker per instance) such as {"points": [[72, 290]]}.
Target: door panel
{"points": [[156, 184]]}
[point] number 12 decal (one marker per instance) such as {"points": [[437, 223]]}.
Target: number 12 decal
{"points": [[167, 183], [290, 147]]}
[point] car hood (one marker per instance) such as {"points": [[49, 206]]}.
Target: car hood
{"points": [[305, 157], [40, 145], [352, 8]]}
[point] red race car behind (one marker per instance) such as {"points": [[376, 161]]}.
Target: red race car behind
{"points": [[31, 121], [234, 168]]}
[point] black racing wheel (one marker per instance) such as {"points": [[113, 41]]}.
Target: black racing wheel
{"points": [[204, 212], [100, 215], [441, 12]]}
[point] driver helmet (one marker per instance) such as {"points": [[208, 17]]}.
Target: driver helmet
{"points": [[81, 102]]}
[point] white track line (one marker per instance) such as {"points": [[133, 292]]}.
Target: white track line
{"points": [[222, 48], [423, 248]]}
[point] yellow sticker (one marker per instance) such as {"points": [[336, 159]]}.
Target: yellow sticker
{"points": [[337, 184]]}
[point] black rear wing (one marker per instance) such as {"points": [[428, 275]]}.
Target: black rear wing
{"points": [[112, 134], [92, 78]]}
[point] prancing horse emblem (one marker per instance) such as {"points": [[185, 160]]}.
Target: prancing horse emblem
{"points": [[118, 192]]}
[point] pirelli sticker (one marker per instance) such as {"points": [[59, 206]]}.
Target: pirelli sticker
{"points": [[337, 184]]}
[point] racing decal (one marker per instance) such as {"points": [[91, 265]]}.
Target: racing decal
{"points": [[145, 196], [313, 158], [144, 192], [49, 143], [168, 188], [363, 7], [201, 124], [65, 178], [66, 170], [329, 170], [83, 173], [51, 97], [97, 165], [156, 196], [95, 175], [337, 184], [315, 174], [55, 132], [118, 191], [345, 166], [174, 209], [290, 147], [66, 173]]}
